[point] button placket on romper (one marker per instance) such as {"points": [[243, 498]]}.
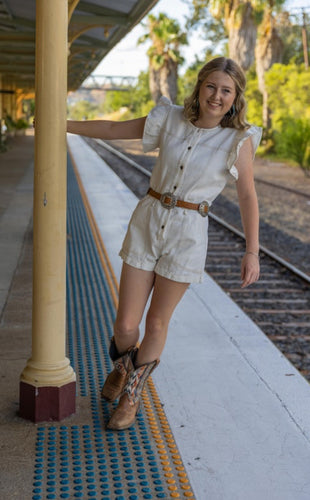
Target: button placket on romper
{"points": [[189, 143]]}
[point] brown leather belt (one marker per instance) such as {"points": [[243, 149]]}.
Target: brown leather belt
{"points": [[169, 200]]}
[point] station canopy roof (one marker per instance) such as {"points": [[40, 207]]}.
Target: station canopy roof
{"points": [[95, 27]]}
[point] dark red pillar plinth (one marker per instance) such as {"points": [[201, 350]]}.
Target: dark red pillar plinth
{"points": [[46, 403]]}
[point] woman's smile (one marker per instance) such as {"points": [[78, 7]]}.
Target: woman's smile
{"points": [[216, 96]]}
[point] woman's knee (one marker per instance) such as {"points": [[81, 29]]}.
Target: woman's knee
{"points": [[154, 324], [125, 327]]}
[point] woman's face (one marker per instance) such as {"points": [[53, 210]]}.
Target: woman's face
{"points": [[216, 96]]}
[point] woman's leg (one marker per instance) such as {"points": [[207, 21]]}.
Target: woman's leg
{"points": [[166, 296], [135, 288]]}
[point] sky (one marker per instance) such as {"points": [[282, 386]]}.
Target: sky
{"points": [[128, 59]]}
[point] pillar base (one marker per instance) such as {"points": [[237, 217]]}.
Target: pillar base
{"points": [[46, 403]]}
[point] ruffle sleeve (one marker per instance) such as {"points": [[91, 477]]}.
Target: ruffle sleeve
{"points": [[153, 125], [256, 134]]}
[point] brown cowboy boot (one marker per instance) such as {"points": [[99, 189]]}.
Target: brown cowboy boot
{"points": [[125, 413], [115, 381]]}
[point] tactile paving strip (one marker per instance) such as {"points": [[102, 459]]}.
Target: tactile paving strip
{"points": [[79, 458]]}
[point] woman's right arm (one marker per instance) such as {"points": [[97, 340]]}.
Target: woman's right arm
{"points": [[107, 129]]}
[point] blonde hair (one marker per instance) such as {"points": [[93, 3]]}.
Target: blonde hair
{"points": [[233, 120]]}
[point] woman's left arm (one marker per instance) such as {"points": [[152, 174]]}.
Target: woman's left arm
{"points": [[249, 214]]}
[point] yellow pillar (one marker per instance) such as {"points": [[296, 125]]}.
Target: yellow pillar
{"points": [[19, 105], [1, 100], [47, 388], [7, 100], [2, 147], [13, 102]]}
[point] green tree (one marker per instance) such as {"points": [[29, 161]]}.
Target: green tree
{"points": [[213, 28], [288, 91], [82, 110], [164, 55], [293, 142], [141, 99], [137, 99], [289, 101], [254, 99], [114, 100], [290, 32]]}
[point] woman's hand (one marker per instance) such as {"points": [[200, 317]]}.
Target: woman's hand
{"points": [[249, 269]]}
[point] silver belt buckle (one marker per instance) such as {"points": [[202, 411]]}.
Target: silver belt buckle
{"points": [[168, 200], [203, 208]]}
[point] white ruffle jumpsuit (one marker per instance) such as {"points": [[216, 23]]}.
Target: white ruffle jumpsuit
{"points": [[194, 164]]}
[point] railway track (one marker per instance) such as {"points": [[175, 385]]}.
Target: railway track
{"points": [[284, 188], [279, 303]]}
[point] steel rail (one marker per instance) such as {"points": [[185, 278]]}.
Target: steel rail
{"points": [[284, 188], [263, 249]]}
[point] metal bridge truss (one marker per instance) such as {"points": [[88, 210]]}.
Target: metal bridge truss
{"points": [[105, 82]]}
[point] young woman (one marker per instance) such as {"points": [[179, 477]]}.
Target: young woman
{"points": [[200, 146]]}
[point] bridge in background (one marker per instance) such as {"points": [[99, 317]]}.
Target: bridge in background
{"points": [[108, 82]]}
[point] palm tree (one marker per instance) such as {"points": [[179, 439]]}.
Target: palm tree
{"points": [[244, 21], [240, 21], [239, 18], [269, 50], [164, 55]]}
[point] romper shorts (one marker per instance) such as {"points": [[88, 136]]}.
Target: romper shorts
{"points": [[172, 243]]}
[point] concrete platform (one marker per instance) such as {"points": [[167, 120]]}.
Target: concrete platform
{"points": [[238, 409], [16, 187]]}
